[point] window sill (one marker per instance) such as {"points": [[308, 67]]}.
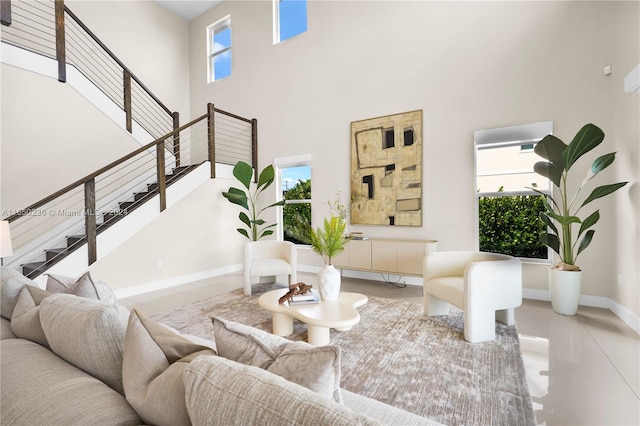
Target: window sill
{"points": [[546, 262]]}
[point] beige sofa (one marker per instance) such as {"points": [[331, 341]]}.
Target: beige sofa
{"points": [[69, 360]]}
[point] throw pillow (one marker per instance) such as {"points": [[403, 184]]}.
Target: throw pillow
{"points": [[154, 361], [11, 282], [83, 286], [192, 338], [223, 392], [87, 333], [314, 367], [25, 321]]}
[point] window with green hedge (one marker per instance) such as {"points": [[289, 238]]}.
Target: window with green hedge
{"points": [[508, 207], [296, 213], [294, 185]]}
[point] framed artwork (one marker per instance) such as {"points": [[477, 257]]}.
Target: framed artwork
{"points": [[386, 170]]}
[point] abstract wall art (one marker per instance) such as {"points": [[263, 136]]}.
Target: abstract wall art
{"points": [[386, 170]]}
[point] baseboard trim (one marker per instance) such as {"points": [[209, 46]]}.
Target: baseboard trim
{"points": [[176, 281], [620, 311], [585, 300], [533, 294], [625, 315]]}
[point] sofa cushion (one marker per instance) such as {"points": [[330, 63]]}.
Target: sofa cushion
{"points": [[223, 392], [11, 282], [5, 329], [25, 321], [385, 413], [154, 361], [83, 286], [314, 367], [87, 333], [191, 337], [39, 388]]}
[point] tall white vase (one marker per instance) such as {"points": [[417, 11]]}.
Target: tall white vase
{"points": [[564, 287], [329, 283]]}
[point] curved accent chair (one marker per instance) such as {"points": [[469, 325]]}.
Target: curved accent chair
{"points": [[269, 258], [486, 286]]}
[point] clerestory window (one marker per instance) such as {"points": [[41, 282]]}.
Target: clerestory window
{"points": [[289, 19]]}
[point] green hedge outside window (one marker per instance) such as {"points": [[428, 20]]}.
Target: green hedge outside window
{"points": [[511, 225]]}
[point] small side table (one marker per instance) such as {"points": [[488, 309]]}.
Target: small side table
{"points": [[340, 314]]}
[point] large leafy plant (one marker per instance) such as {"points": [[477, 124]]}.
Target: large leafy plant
{"points": [[563, 208], [256, 228], [329, 240]]}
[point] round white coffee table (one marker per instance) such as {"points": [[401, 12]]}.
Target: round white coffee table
{"points": [[340, 314]]}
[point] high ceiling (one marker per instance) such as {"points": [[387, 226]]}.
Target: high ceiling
{"points": [[188, 9]]}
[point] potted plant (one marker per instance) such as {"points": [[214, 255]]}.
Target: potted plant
{"points": [[327, 242], [255, 227], [561, 214]]}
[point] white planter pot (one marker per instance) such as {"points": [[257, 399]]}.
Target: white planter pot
{"points": [[564, 287], [329, 283]]}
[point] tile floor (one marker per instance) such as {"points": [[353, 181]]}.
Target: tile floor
{"points": [[581, 370]]}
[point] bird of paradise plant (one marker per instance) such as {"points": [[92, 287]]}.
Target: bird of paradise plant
{"points": [[564, 207]]}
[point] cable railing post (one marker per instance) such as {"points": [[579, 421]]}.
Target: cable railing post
{"points": [[90, 219], [176, 137], [61, 55], [254, 148], [126, 80], [162, 182], [5, 12], [212, 138]]}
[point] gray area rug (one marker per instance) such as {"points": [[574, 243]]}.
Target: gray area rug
{"points": [[399, 356]]}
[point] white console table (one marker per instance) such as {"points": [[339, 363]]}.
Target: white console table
{"points": [[394, 256]]}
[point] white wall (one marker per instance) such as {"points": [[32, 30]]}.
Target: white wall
{"points": [[51, 137], [626, 135], [467, 65], [193, 238], [152, 42]]}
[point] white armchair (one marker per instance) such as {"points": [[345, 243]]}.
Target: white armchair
{"points": [[486, 286], [269, 258]]}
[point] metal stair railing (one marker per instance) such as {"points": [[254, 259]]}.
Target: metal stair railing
{"points": [[66, 220]]}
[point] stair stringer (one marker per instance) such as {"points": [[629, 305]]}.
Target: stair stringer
{"points": [[77, 262], [40, 64]]}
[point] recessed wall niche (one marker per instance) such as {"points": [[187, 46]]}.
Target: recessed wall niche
{"points": [[386, 170]]}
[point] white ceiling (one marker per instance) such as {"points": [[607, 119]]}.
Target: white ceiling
{"points": [[188, 9]]}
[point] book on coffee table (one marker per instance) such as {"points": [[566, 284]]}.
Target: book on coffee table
{"points": [[308, 295], [302, 299]]}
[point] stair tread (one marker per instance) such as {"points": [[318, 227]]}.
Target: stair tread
{"points": [[34, 264], [59, 249], [141, 195], [55, 254]]}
